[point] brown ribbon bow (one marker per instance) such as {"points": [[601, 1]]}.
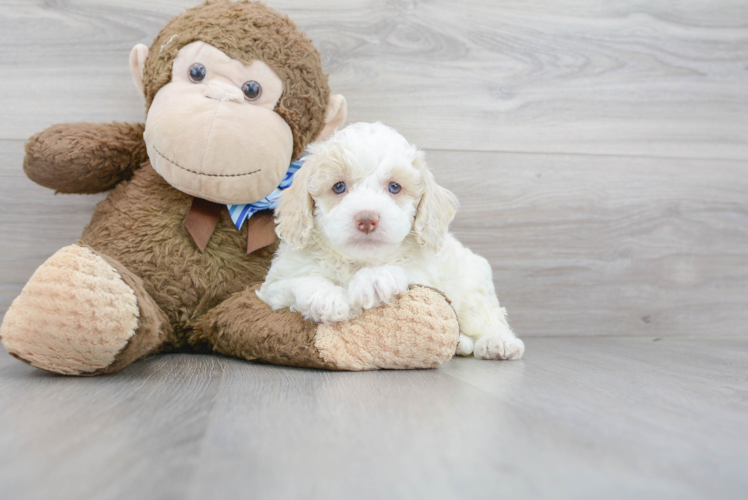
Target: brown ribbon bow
{"points": [[202, 219]]}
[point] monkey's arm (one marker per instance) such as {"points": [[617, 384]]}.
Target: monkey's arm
{"points": [[418, 330], [85, 158]]}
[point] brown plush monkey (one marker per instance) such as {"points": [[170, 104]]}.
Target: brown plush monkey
{"points": [[234, 92]]}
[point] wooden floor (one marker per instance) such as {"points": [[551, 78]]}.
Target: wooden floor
{"points": [[577, 418], [600, 152]]}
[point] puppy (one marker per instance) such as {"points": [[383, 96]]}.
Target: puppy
{"points": [[364, 219]]}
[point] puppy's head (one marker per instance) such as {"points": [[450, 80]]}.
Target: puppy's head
{"points": [[365, 190]]}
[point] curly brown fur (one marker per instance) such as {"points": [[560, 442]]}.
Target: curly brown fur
{"points": [[246, 31], [85, 158]]}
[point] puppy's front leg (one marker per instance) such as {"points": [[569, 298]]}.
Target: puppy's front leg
{"points": [[320, 300], [315, 297], [372, 286]]}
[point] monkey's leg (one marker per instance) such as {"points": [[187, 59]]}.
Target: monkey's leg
{"points": [[83, 313], [419, 330]]}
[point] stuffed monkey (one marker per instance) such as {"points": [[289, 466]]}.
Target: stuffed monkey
{"points": [[171, 259]]}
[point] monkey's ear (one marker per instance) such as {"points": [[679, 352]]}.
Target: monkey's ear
{"points": [[138, 55], [337, 110]]}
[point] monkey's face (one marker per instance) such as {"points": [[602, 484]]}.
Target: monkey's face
{"points": [[212, 132]]}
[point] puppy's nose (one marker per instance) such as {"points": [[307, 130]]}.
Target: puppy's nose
{"points": [[367, 222]]}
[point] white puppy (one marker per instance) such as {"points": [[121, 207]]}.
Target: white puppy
{"points": [[363, 219]]}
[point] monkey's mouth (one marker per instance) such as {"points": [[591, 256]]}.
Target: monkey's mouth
{"points": [[217, 178], [202, 173]]}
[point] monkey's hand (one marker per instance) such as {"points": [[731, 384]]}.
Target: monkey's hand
{"points": [[85, 157]]}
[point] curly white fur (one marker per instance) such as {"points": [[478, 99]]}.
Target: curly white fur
{"points": [[328, 269]]}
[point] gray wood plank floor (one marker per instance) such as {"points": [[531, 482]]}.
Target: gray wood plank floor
{"points": [[600, 151], [577, 418]]}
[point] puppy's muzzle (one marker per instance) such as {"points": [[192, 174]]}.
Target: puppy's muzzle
{"points": [[366, 222]]}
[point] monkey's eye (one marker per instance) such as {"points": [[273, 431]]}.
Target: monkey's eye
{"points": [[394, 187], [339, 188], [252, 90], [198, 72]]}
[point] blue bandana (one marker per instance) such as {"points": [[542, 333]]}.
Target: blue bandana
{"points": [[241, 213]]}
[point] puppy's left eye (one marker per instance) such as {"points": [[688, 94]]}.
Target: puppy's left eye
{"points": [[394, 187], [339, 188]]}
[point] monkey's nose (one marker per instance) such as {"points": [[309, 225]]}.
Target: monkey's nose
{"points": [[367, 222], [223, 92]]}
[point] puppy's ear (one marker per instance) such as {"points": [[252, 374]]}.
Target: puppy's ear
{"points": [[436, 210], [295, 213]]}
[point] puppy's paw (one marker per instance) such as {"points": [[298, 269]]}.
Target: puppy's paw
{"points": [[378, 285], [324, 305], [495, 346], [465, 346]]}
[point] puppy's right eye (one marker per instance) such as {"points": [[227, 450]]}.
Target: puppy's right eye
{"points": [[197, 72], [339, 188]]}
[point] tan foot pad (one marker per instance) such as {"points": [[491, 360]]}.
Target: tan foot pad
{"points": [[73, 316], [419, 331]]}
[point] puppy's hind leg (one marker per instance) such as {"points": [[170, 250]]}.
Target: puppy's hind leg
{"points": [[465, 346], [481, 317], [497, 346], [484, 322]]}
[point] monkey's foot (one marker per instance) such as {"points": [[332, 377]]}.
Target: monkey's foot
{"points": [[74, 316]]}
